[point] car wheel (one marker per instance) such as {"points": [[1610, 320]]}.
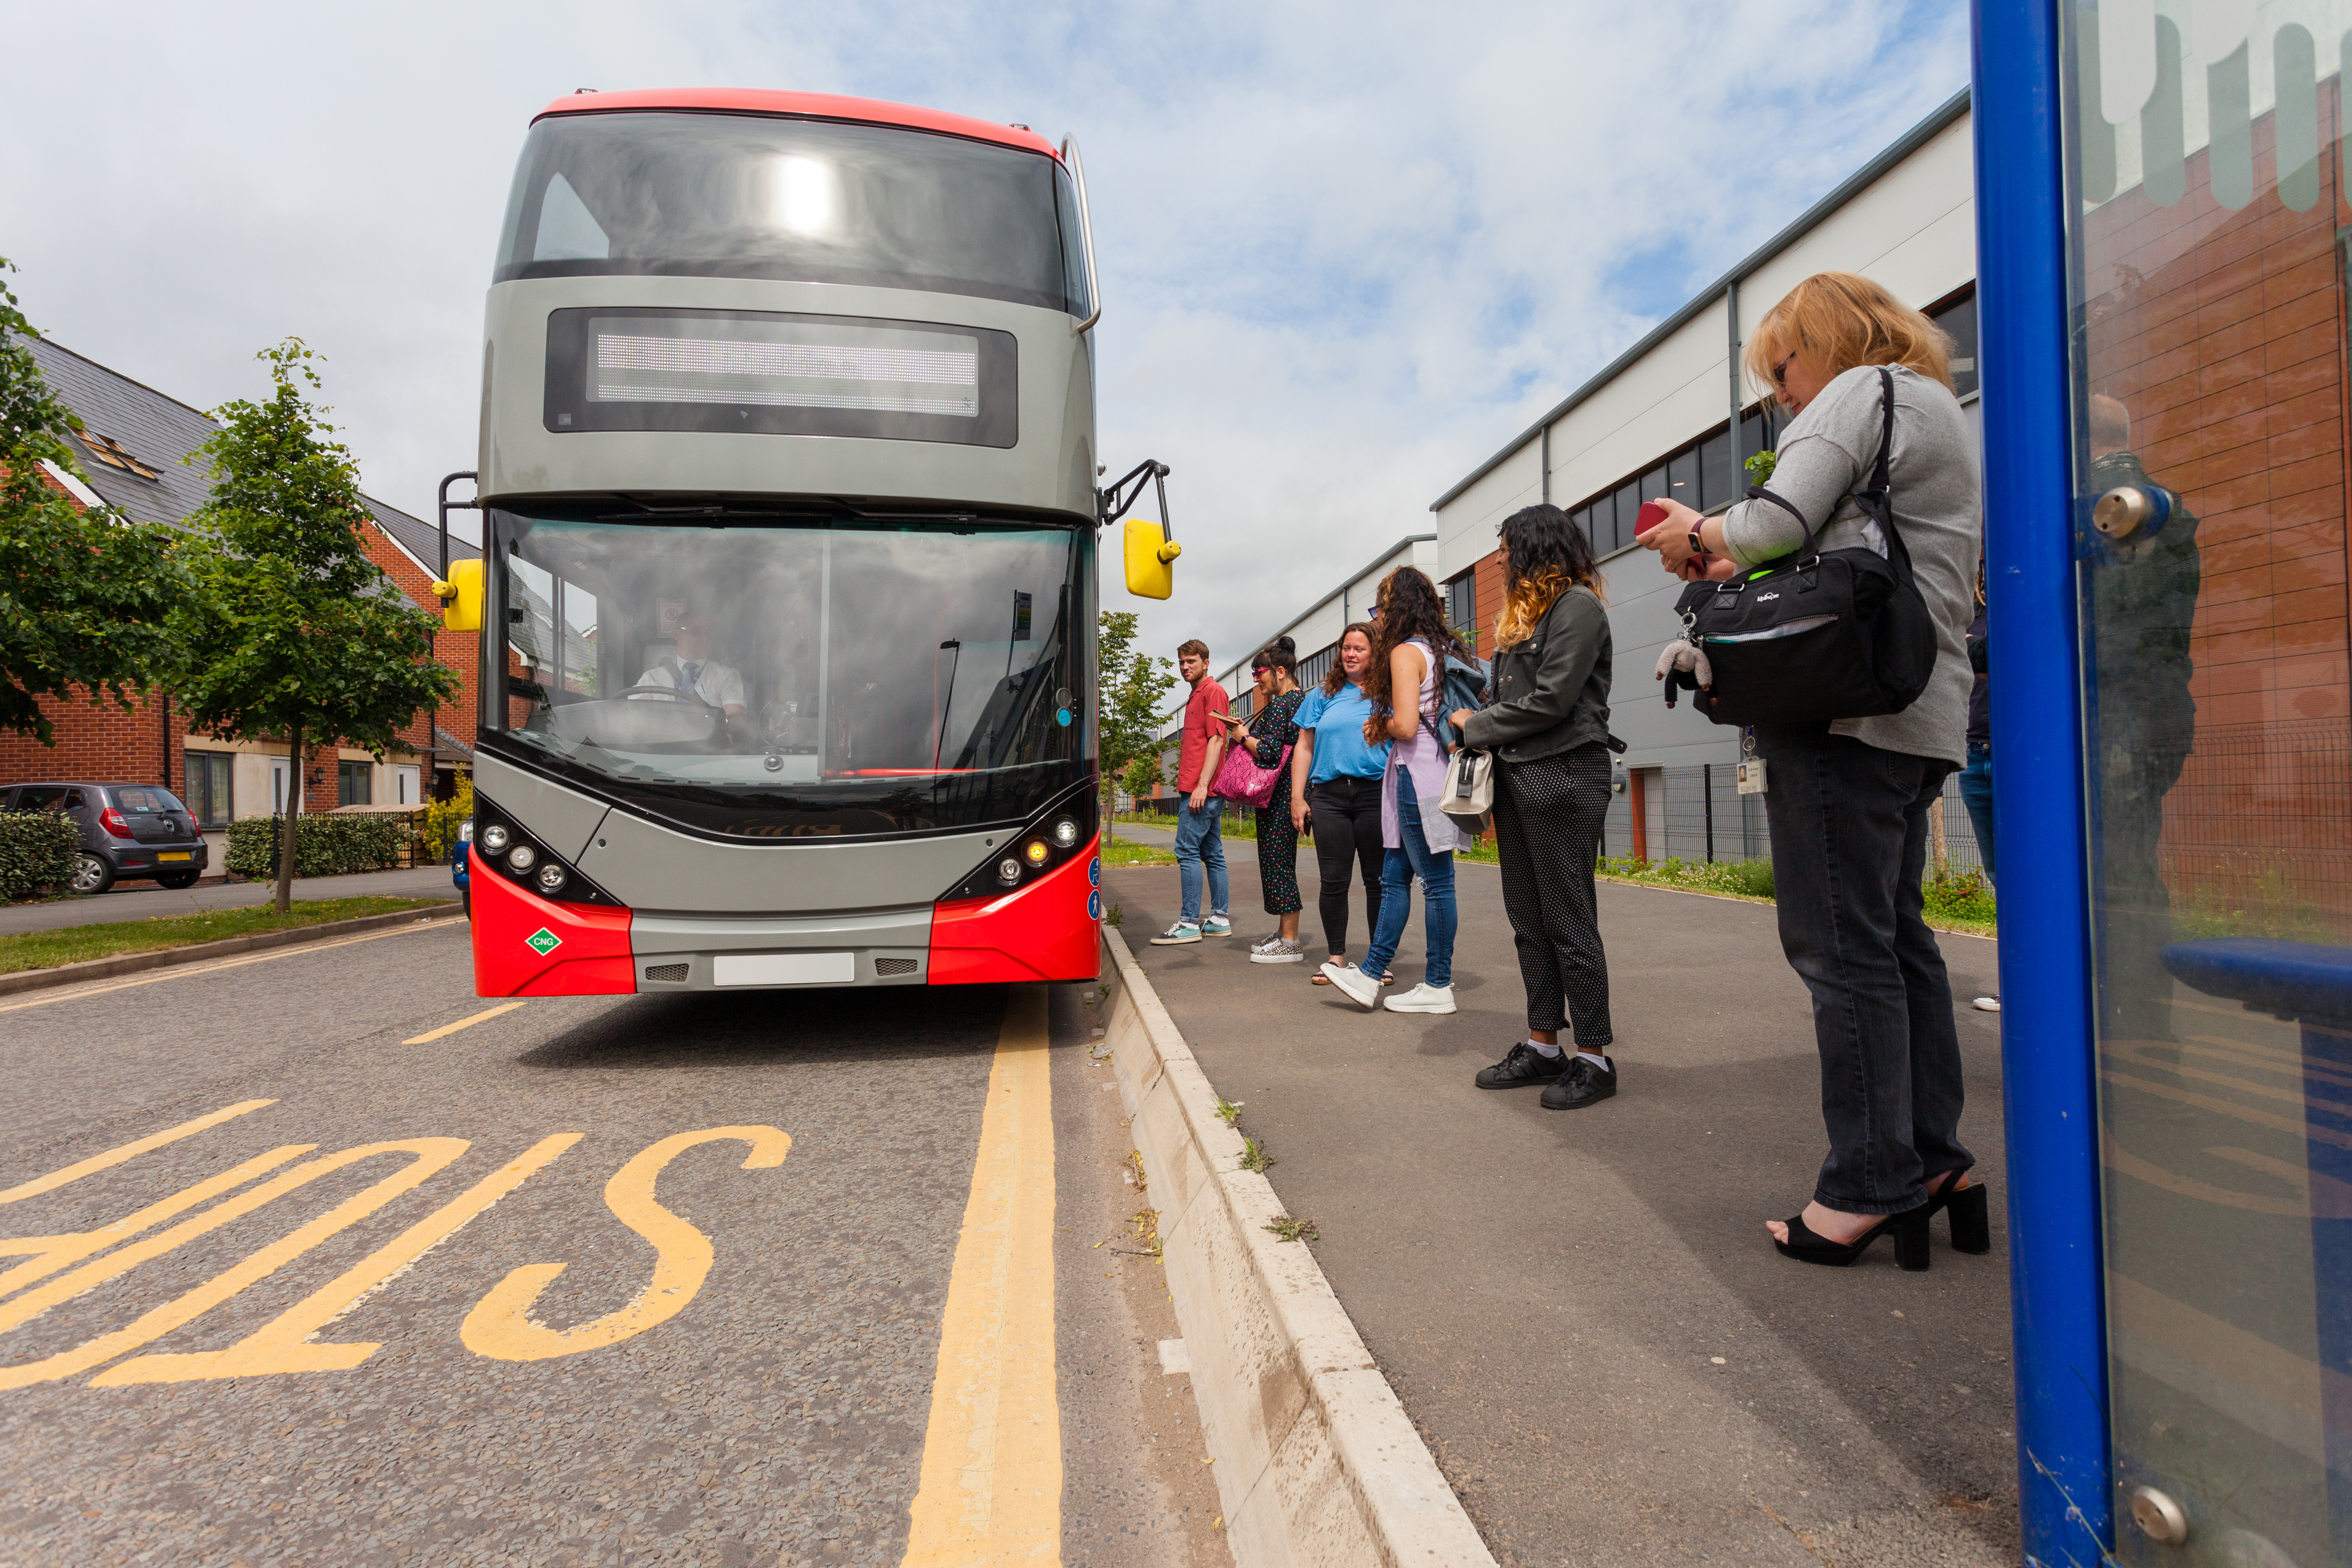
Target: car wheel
{"points": [[465, 902], [175, 880], [93, 874]]}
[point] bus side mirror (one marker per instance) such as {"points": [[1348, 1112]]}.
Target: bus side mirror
{"points": [[1150, 559], [461, 598]]}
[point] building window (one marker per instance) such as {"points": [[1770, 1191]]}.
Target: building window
{"points": [[208, 791], [355, 784], [1462, 606], [1959, 318], [1317, 665]]}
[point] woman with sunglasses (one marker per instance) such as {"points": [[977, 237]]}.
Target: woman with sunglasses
{"points": [[1848, 800], [1272, 725]]}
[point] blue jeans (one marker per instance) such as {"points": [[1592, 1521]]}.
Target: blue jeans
{"points": [[1397, 871], [1199, 844], [1976, 793]]}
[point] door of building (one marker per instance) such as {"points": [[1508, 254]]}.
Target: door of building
{"points": [[2210, 548], [405, 785]]}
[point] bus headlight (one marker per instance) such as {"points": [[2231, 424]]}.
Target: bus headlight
{"points": [[550, 877], [494, 838], [1066, 834], [1037, 851], [1008, 870], [522, 857]]}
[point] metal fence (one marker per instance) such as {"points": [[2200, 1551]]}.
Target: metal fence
{"points": [[1698, 814]]}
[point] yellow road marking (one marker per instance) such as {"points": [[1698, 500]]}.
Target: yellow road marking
{"points": [[430, 1035], [991, 1489], [50, 1253], [283, 1344], [500, 1326], [75, 1173], [431, 1154], [185, 972]]}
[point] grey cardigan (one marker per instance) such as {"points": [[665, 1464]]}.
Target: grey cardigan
{"points": [[1551, 692], [1825, 456]]}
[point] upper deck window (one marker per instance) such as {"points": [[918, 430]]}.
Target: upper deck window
{"points": [[734, 195]]}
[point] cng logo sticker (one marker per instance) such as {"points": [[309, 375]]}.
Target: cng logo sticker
{"points": [[542, 942]]}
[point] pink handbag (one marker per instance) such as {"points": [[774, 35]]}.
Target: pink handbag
{"points": [[1239, 778]]}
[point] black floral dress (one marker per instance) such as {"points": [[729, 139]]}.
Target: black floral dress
{"points": [[1271, 728]]}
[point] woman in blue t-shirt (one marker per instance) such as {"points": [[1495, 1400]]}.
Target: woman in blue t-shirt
{"points": [[1335, 779]]}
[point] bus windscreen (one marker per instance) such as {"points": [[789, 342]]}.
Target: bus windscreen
{"points": [[778, 680], [735, 196]]}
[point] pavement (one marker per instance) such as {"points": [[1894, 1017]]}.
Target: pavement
{"points": [[144, 900], [1582, 1310], [736, 1365]]}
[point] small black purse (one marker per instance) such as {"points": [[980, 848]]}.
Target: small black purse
{"points": [[1835, 633]]}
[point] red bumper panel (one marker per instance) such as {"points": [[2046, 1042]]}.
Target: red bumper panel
{"points": [[1050, 929], [525, 945]]}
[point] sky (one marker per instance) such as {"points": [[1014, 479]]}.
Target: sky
{"points": [[1347, 251]]}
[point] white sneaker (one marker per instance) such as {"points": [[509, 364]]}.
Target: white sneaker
{"points": [[1987, 1003], [1176, 935], [1267, 943], [1423, 998], [1279, 951], [1361, 988]]}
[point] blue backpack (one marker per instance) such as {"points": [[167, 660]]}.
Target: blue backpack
{"points": [[1467, 684]]}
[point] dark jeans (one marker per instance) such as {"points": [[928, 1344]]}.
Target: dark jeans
{"points": [[1976, 793], [1849, 845], [1398, 868], [1548, 816], [1346, 815]]}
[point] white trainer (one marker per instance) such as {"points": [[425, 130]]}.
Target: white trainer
{"points": [[1361, 988], [1423, 998], [1987, 1003], [1279, 951]]}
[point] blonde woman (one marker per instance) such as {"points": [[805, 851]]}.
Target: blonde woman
{"points": [[1848, 800], [1548, 729]]}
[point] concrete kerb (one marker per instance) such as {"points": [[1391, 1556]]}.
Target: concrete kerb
{"points": [[1317, 1461], [197, 952]]}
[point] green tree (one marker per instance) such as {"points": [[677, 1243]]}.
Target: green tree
{"points": [[83, 595], [291, 630], [1141, 774], [1128, 696]]}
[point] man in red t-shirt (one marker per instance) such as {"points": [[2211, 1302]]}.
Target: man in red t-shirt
{"points": [[1200, 848]]}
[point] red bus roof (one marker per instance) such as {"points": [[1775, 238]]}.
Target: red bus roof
{"points": [[807, 105]]}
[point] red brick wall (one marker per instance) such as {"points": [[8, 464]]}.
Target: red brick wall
{"points": [[2223, 332], [459, 650]]}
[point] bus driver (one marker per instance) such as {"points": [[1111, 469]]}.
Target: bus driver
{"points": [[691, 668]]}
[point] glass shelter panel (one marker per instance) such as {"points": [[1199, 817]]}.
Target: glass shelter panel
{"points": [[2206, 211]]}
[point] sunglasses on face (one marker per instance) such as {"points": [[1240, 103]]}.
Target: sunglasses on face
{"points": [[1781, 371]]}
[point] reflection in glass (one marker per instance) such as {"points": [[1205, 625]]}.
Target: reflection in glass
{"points": [[2210, 545]]}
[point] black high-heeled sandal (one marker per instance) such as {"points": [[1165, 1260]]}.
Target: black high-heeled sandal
{"points": [[1909, 1230], [1966, 1210]]}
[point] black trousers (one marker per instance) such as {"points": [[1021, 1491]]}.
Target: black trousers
{"points": [[1548, 816], [1849, 845], [1346, 817]]}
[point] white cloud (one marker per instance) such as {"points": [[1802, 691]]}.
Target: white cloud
{"points": [[1348, 251]]}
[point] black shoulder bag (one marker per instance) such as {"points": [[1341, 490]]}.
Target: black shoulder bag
{"points": [[1835, 634]]}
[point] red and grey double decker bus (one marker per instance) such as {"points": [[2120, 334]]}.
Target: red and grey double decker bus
{"points": [[788, 490]]}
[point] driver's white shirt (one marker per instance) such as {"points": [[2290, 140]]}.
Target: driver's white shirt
{"points": [[719, 685]]}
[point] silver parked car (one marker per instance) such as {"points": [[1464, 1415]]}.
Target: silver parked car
{"points": [[135, 830]]}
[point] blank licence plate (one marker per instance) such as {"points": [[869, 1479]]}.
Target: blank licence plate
{"points": [[173, 855]]}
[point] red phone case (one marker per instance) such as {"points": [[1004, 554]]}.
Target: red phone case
{"points": [[1649, 517]]}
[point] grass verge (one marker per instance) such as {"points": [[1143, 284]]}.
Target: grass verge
{"points": [[77, 944], [1128, 852]]}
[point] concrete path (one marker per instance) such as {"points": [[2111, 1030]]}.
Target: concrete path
{"points": [[144, 900], [1582, 1310]]}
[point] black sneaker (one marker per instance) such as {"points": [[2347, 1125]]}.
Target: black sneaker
{"points": [[1581, 1085], [1522, 1066]]}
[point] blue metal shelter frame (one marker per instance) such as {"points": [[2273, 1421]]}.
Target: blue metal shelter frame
{"points": [[2056, 1258]]}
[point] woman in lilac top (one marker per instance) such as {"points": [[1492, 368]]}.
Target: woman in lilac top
{"points": [[1420, 839]]}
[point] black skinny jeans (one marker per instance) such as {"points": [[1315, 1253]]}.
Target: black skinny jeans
{"points": [[1346, 813], [1849, 845], [1548, 817]]}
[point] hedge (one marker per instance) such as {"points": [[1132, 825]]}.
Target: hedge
{"points": [[37, 852], [324, 846]]}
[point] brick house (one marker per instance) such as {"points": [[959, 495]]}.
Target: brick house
{"points": [[135, 448]]}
